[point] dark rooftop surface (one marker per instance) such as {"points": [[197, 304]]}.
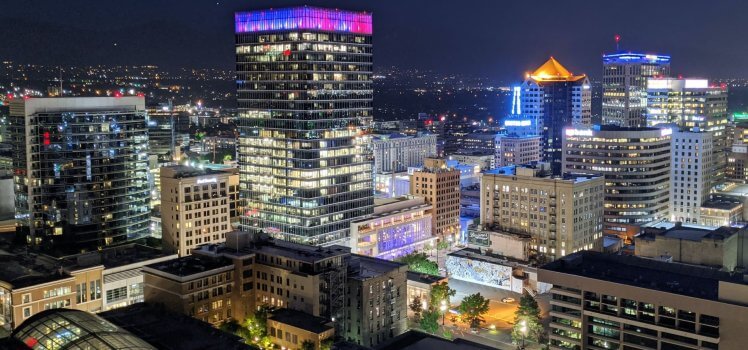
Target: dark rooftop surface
{"points": [[301, 320], [363, 267], [415, 340], [723, 204], [190, 265], [115, 256], [27, 270], [475, 254], [301, 252], [695, 234], [170, 331], [423, 278], [682, 279]]}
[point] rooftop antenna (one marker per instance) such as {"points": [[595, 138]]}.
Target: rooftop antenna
{"points": [[618, 40], [61, 81]]}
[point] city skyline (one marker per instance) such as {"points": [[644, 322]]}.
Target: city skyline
{"points": [[499, 43]]}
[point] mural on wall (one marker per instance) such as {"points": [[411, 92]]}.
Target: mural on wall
{"points": [[477, 271]]}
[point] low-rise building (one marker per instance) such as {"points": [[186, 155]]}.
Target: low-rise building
{"points": [[419, 286], [398, 227], [604, 301], [32, 284], [497, 271], [486, 161], [721, 211], [721, 247], [289, 329]]}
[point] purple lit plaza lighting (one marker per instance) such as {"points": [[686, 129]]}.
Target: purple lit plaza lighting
{"points": [[309, 18]]}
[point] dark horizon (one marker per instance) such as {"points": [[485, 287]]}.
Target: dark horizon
{"points": [[499, 41]]}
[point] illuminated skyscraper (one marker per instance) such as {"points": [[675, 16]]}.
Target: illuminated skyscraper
{"points": [[80, 170], [304, 92], [625, 77], [554, 98], [692, 105]]}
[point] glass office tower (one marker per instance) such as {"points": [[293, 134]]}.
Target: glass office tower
{"points": [[304, 94], [80, 171], [625, 77]]}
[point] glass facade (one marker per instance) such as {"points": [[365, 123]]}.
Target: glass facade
{"points": [[625, 86], [72, 329], [81, 176], [305, 111]]}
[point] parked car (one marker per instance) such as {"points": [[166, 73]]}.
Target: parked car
{"points": [[507, 300]]}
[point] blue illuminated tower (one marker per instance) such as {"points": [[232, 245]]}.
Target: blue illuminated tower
{"points": [[304, 93], [625, 77]]}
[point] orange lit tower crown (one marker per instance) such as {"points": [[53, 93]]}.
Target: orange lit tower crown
{"points": [[552, 70]]}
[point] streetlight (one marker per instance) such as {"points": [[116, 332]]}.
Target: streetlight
{"points": [[523, 330], [443, 307]]}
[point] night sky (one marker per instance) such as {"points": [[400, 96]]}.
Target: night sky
{"points": [[499, 39]]}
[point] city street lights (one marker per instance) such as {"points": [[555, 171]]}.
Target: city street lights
{"points": [[523, 330], [443, 307]]}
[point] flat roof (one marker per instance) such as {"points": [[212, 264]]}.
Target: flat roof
{"points": [[301, 252], [26, 270], [476, 254], [301, 320], [423, 278], [689, 280], [171, 331], [416, 340], [722, 204], [114, 256], [688, 233], [190, 265], [363, 267]]}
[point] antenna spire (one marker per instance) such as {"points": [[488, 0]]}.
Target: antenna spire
{"points": [[618, 40]]}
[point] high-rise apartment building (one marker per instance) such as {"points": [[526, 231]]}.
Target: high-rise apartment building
{"points": [[440, 186], [554, 99], [636, 166], [80, 170], [692, 105], [606, 301], [625, 77], [691, 175], [195, 207], [304, 93], [562, 215]]}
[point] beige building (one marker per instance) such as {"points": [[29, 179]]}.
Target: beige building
{"points": [[289, 329], [562, 215], [602, 301], [195, 207], [722, 247], [721, 211], [29, 285], [229, 281], [513, 149], [440, 186]]}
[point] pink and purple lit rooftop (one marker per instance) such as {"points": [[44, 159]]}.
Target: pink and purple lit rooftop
{"points": [[309, 18]]}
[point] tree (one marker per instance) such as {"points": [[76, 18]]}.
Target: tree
{"points": [[307, 345], [416, 306], [527, 316], [419, 262], [472, 309], [442, 245], [430, 321], [439, 292], [326, 344], [447, 334]]}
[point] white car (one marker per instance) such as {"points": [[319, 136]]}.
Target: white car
{"points": [[507, 300]]}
